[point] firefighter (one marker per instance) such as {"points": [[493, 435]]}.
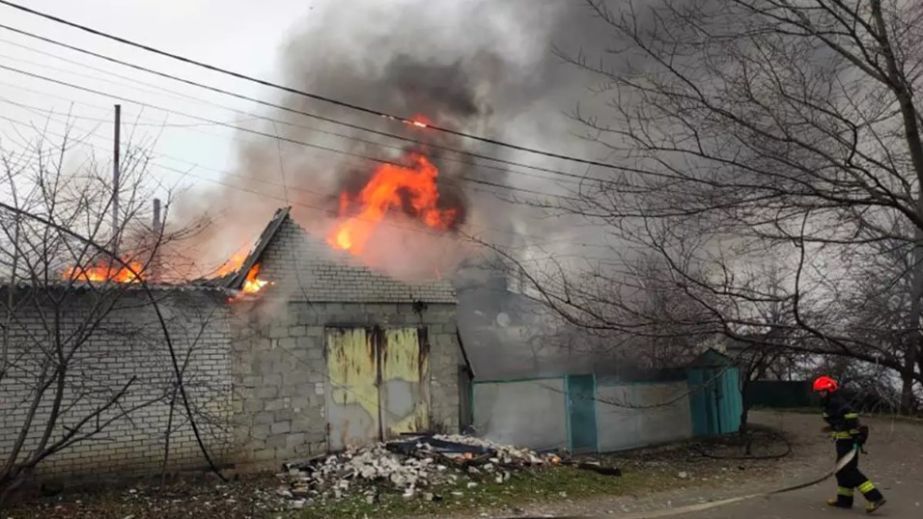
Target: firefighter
{"points": [[843, 424]]}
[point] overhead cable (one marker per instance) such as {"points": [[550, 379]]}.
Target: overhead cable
{"points": [[303, 93]]}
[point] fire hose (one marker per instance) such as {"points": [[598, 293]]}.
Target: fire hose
{"points": [[698, 507]]}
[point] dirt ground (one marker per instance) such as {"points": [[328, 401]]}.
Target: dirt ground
{"points": [[656, 483], [894, 463]]}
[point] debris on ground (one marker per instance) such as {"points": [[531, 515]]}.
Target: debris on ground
{"points": [[409, 466]]}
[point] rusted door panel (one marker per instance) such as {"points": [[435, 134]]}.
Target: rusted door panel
{"points": [[352, 388], [404, 381]]}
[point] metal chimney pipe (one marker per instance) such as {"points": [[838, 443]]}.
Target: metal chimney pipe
{"points": [[157, 225], [115, 178]]}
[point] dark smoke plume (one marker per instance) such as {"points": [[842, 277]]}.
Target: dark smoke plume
{"points": [[482, 67]]}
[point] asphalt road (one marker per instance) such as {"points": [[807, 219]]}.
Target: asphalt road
{"points": [[894, 463]]}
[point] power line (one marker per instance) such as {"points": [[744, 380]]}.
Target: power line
{"points": [[48, 113], [261, 194], [318, 97], [452, 184], [211, 122], [150, 123], [330, 120], [225, 184], [268, 135]]}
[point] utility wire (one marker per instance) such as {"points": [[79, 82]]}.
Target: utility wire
{"points": [[210, 122], [264, 134], [263, 195], [571, 177], [251, 191], [137, 122], [48, 113], [318, 97], [313, 115]]}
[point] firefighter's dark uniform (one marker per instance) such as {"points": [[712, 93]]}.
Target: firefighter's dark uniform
{"points": [[844, 422]]}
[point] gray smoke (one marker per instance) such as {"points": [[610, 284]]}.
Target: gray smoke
{"points": [[482, 67]]}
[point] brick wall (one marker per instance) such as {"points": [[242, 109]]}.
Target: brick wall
{"points": [[307, 269], [126, 343]]}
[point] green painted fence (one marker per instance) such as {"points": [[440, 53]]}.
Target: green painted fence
{"points": [[715, 400]]}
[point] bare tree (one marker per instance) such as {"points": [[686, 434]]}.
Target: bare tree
{"points": [[745, 133], [64, 296]]}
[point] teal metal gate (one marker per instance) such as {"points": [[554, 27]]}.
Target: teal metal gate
{"points": [[581, 413], [715, 400]]}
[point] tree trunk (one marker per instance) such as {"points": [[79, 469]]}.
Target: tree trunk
{"points": [[745, 417], [745, 402], [912, 343], [920, 366], [904, 94]]}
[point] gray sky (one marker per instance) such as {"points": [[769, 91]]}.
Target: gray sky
{"points": [[238, 34]]}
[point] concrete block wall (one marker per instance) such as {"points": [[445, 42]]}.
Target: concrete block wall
{"points": [[280, 373], [528, 413], [126, 345], [534, 413]]}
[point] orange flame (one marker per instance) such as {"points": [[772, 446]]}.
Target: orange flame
{"points": [[233, 263], [411, 188], [253, 284], [104, 273], [420, 121]]}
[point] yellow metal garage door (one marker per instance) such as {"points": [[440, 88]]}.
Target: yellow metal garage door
{"points": [[405, 382], [352, 395], [378, 384]]}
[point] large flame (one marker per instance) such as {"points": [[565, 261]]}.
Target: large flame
{"points": [[103, 273], [411, 189]]}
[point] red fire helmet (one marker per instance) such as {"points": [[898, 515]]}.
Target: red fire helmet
{"points": [[825, 383]]}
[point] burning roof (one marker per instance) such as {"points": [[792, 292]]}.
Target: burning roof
{"points": [[323, 274], [247, 268], [110, 271]]}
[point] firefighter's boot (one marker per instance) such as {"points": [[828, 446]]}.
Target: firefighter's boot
{"points": [[874, 505], [843, 499], [872, 495]]}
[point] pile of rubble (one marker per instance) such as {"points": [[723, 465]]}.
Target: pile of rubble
{"points": [[505, 455], [410, 466]]}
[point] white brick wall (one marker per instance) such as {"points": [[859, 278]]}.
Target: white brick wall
{"points": [[126, 342], [315, 272]]}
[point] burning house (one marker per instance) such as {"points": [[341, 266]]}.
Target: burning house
{"points": [[332, 354], [298, 349]]}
